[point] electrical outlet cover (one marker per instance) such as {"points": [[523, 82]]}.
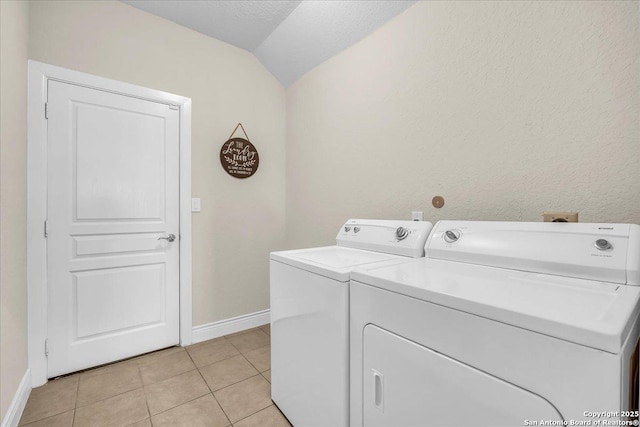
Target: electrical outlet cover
{"points": [[195, 204], [554, 216]]}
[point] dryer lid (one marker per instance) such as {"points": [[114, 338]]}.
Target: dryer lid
{"points": [[591, 313]]}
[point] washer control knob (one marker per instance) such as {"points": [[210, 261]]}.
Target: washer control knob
{"points": [[347, 229], [603, 245], [451, 236], [401, 233], [356, 229]]}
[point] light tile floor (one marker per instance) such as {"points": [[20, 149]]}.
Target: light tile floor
{"points": [[221, 382]]}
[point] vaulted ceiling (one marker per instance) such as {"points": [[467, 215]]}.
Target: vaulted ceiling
{"points": [[288, 37]]}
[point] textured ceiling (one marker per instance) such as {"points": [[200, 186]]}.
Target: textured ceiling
{"points": [[288, 37]]}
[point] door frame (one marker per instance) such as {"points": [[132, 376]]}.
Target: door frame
{"points": [[39, 74]]}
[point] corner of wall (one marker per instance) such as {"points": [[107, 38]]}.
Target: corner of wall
{"points": [[14, 374], [18, 403]]}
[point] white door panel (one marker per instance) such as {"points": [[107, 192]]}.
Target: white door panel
{"points": [[113, 191], [135, 188], [115, 244]]}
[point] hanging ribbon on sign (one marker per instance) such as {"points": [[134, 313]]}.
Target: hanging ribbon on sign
{"points": [[239, 157]]}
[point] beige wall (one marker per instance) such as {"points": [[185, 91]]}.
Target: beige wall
{"points": [[241, 220], [13, 198], [506, 109]]}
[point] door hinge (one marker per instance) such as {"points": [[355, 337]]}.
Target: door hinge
{"points": [[46, 110], [46, 228], [46, 347], [174, 107]]}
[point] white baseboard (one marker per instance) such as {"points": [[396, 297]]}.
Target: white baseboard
{"points": [[229, 326], [12, 417]]}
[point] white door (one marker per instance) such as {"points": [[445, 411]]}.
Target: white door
{"points": [[113, 194]]}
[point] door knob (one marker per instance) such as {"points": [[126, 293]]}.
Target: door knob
{"points": [[170, 238]]}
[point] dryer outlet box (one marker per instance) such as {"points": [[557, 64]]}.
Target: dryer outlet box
{"points": [[553, 216]]}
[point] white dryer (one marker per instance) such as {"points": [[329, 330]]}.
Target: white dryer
{"points": [[310, 315], [501, 324]]}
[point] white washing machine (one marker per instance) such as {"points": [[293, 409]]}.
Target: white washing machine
{"points": [[310, 315], [501, 324]]}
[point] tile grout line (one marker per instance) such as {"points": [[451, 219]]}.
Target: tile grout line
{"points": [[259, 328], [235, 334], [75, 404], [76, 407], [115, 395], [217, 361], [107, 398], [139, 364], [170, 409], [259, 374], [232, 344], [253, 413], [131, 359], [227, 358], [211, 391], [144, 393], [249, 362], [46, 418], [31, 398], [237, 382], [154, 359], [246, 332], [183, 373], [259, 410], [110, 397], [172, 376]]}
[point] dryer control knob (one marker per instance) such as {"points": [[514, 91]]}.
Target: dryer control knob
{"points": [[347, 229], [401, 233], [603, 245], [451, 236], [356, 229]]}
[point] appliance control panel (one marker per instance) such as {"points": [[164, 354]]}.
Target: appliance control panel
{"points": [[405, 238], [603, 252]]}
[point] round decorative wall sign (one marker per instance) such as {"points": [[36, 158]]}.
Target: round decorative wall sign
{"points": [[239, 157]]}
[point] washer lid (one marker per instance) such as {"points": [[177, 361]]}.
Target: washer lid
{"points": [[592, 313], [335, 262]]}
